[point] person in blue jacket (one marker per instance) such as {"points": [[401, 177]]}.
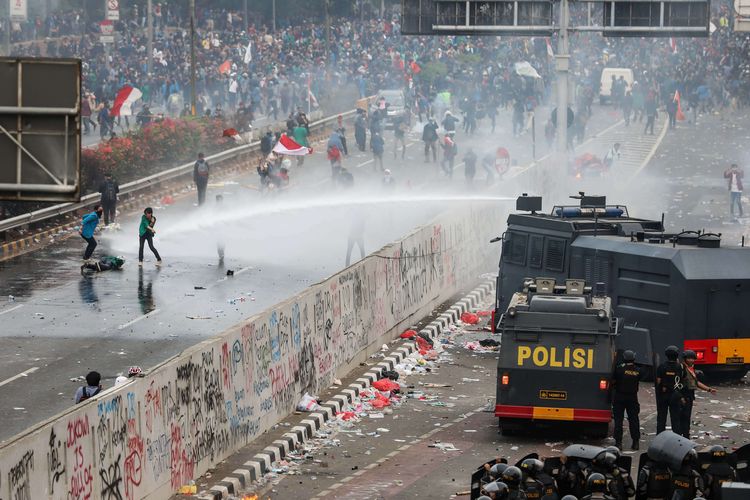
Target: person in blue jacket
{"points": [[88, 224]]}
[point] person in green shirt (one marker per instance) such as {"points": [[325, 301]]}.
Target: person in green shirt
{"points": [[146, 233], [300, 137]]}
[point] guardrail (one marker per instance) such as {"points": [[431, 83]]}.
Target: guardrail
{"points": [[146, 182]]}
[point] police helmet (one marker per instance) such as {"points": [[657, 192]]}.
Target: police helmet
{"points": [[569, 497], [691, 457], [484, 497], [613, 450], [605, 458], [672, 352], [532, 466], [718, 453], [497, 470], [596, 483], [512, 476], [628, 356], [689, 354], [499, 488]]}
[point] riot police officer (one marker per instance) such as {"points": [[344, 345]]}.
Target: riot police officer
{"points": [[654, 481], [666, 375], [596, 487], [619, 483], [496, 490], [717, 472], [532, 486], [535, 468], [686, 481], [682, 403], [512, 476], [625, 383], [571, 478]]}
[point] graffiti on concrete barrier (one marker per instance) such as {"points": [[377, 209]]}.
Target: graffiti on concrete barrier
{"points": [[19, 477], [160, 431]]}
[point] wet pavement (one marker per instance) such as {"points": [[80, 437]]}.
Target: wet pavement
{"points": [[60, 324]]}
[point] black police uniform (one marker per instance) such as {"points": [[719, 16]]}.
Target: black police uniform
{"points": [[686, 484], [515, 493], [533, 488], [666, 372], [654, 481], [682, 402], [626, 379], [572, 478], [714, 476], [598, 496], [550, 488]]}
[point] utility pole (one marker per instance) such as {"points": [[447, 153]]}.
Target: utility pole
{"points": [[150, 34], [244, 15], [328, 30], [562, 63], [8, 27], [192, 58], [273, 15]]}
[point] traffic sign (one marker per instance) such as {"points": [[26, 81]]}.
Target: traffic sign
{"points": [[18, 10], [657, 18], [113, 10]]}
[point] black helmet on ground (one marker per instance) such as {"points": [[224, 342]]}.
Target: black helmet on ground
{"points": [[672, 352], [512, 476], [596, 483]]}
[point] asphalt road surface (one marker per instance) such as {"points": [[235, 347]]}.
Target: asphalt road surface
{"points": [[428, 446], [60, 324]]}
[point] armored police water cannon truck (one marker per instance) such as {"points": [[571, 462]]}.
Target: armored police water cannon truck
{"points": [[557, 356], [685, 288]]}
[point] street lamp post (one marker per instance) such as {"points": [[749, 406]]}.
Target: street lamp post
{"points": [[192, 58], [150, 34]]}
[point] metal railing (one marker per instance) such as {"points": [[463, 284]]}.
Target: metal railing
{"points": [[146, 182]]}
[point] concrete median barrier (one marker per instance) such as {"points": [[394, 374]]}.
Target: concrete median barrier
{"points": [[154, 434]]}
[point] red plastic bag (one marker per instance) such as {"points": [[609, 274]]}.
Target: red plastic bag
{"points": [[408, 334], [346, 415], [385, 385], [423, 345], [470, 318], [379, 404], [484, 314]]}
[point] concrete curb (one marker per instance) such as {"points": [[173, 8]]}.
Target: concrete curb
{"points": [[261, 463]]}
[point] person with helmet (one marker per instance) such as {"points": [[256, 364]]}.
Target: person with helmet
{"points": [[496, 490], [571, 477], [626, 380], [530, 485], [666, 374], [619, 483], [687, 483], [682, 403], [535, 469], [512, 476], [569, 497], [496, 471], [596, 488], [654, 481], [717, 472]]}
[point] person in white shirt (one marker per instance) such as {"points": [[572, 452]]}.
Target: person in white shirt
{"points": [[734, 177]]}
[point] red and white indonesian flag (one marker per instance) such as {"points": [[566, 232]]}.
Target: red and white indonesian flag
{"points": [[288, 146], [123, 105]]}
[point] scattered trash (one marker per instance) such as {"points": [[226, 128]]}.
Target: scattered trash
{"points": [[230, 272], [469, 379], [444, 446], [198, 317], [386, 385], [484, 314], [199, 287], [188, 489], [384, 347], [431, 385], [336, 381], [376, 415], [79, 378], [729, 425], [408, 334], [470, 318], [18, 408], [383, 430], [489, 343], [308, 403], [11, 298]]}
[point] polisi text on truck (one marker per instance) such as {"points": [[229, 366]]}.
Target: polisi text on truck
{"points": [[577, 358]]}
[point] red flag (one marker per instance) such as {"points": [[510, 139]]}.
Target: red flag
{"points": [[230, 132], [415, 68], [225, 67], [123, 105], [288, 146], [673, 45], [680, 115]]}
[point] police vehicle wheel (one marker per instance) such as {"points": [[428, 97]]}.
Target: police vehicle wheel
{"points": [[507, 429]]}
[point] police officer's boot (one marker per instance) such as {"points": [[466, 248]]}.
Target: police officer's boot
{"points": [[635, 445]]}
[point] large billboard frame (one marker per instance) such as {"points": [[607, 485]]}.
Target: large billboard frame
{"points": [[40, 107]]}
